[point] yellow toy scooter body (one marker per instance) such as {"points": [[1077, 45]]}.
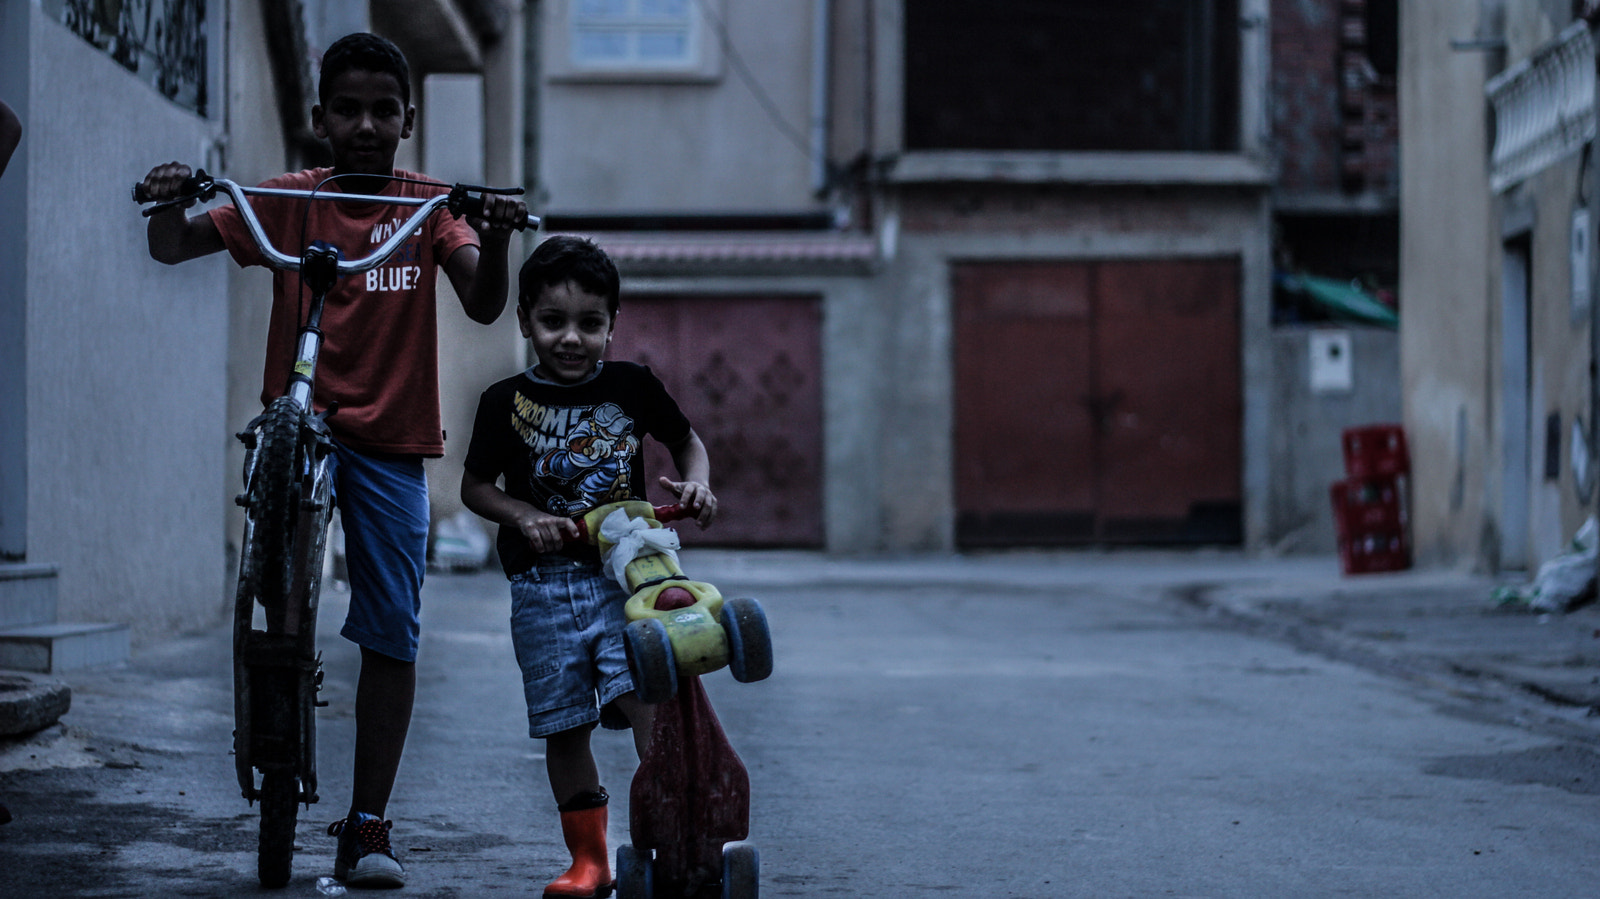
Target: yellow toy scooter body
{"points": [[677, 626]]}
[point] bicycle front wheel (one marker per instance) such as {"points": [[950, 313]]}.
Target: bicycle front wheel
{"points": [[280, 800]]}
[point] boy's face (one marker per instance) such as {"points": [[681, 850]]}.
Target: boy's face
{"points": [[364, 121], [569, 328]]}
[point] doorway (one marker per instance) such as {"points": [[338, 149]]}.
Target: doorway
{"points": [[1516, 420], [1097, 402]]}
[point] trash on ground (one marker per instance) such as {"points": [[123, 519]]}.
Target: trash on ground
{"points": [[1563, 583]]}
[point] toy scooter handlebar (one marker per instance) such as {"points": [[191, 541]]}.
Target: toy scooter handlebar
{"points": [[671, 512]]}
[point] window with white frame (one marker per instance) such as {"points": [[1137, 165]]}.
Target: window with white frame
{"points": [[634, 40], [633, 34]]}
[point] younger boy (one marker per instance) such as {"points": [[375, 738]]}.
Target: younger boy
{"points": [[379, 365], [566, 436]]}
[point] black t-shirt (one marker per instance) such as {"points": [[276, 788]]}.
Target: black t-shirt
{"points": [[569, 448]]}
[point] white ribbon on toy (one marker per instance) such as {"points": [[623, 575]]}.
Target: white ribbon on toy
{"points": [[631, 538]]}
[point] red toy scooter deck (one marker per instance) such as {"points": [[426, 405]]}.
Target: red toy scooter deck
{"points": [[691, 793]]}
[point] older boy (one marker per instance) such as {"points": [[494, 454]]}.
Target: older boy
{"points": [[379, 364], [566, 436]]}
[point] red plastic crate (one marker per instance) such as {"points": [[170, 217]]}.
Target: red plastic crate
{"points": [[1374, 551], [1375, 505], [1375, 451]]}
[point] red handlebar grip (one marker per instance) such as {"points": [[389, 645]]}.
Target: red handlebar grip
{"points": [[672, 512]]}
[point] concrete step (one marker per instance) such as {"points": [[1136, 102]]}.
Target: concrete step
{"points": [[55, 648], [29, 704], [27, 594]]}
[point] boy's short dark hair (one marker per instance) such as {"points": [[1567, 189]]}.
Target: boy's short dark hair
{"points": [[364, 52], [563, 258]]}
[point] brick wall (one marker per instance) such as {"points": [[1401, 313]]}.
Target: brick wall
{"points": [[1334, 120]]}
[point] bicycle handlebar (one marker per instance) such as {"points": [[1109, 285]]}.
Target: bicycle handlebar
{"points": [[459, 200]]}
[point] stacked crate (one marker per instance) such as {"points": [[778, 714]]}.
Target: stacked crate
{"points": [[1369, 505]]}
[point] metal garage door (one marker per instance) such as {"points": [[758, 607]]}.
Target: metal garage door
{"points": [[745, 369], [1097, 402]]}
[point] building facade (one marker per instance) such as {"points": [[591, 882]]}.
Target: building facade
{"points": [[1497, 102], [1014, 263]]}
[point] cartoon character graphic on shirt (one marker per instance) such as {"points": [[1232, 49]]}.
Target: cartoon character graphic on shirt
{"points": [[593, 460]]}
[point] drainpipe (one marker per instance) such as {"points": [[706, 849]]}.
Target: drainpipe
{"points": [[820, 17]]}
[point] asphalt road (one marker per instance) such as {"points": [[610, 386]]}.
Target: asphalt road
{"points": [[1029, 729]]}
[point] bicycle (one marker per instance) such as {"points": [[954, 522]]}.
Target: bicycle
{"points": [[287, 500]]}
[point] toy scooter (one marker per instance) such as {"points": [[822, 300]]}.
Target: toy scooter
{"points": [[689, 806]]}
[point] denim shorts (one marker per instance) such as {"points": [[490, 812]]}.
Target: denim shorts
{"points": [[383, 506], [566, 626]]}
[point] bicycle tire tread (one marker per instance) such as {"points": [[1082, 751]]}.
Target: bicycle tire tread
{"points": [[275, 504], [279, 807]]}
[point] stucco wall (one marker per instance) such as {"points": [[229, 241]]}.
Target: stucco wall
{"points": [[254, 152], [648, 128], [1306, 426], [126, 358], [1448, 262]]}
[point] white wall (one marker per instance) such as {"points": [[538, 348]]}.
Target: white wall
{"points": [[723, 150], [451, 112], [126, 358]]}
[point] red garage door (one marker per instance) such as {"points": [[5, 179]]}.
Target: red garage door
{"points": [[1097, 402], [745, 370]]}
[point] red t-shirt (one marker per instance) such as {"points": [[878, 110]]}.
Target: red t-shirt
{"points": [[380, 351]]}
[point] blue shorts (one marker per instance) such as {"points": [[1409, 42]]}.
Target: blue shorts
{"points": [[566, 626], [383, 506]]}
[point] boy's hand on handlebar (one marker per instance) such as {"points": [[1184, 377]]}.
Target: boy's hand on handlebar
{"points": [[545, 532], [696, 497], [502, 215], [168, 181]]}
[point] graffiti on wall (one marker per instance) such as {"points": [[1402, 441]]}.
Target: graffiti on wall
{"points": [[163, 42]]}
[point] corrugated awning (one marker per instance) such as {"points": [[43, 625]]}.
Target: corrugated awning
{"points": [[702, 251]]}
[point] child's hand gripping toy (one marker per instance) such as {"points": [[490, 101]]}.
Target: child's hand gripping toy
{"points": [[676, 626]]}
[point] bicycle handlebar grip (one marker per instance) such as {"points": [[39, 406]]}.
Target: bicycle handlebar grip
{"points": [[473, 206], [191, 186]]}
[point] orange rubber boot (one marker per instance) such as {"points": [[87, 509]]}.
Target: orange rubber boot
{"points": [[590, 874]]}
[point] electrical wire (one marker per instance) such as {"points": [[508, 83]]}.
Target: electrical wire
{"points": [[736, 61]]}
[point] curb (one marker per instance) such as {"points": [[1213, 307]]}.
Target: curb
{"points": [[1521, 700]]}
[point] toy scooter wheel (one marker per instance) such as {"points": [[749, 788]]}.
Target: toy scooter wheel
{"points": [[635, 873], [749, 640], [655, 671], [741, 871]]}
